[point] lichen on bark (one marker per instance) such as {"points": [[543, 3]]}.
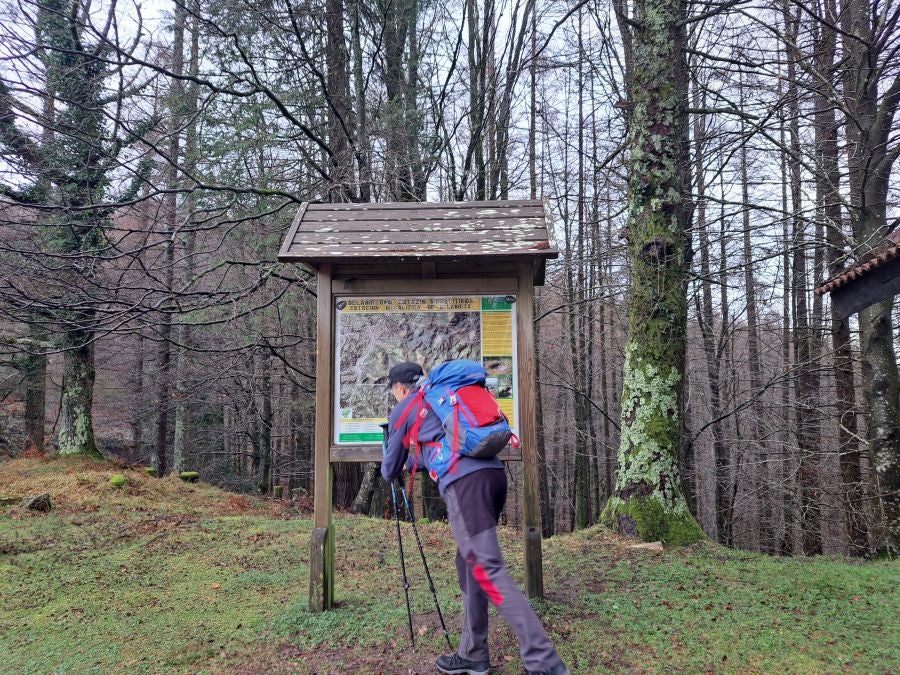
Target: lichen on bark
{"points": [[76, 428], [648, 502]]}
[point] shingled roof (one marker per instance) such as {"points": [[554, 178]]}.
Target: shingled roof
{"points": [[875, 277], [409, 231], [886, 250]]}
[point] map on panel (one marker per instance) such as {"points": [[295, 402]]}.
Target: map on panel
{"points": [[376, 333]]}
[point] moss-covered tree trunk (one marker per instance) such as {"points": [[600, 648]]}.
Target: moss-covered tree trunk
{"points": [[76, 427], [648, 501]]}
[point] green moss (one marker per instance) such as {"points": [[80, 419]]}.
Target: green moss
{"points": [[117, 480], [646, 518], [189, 476], [151, 470]]}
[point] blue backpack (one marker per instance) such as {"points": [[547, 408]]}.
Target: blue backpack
{"points": [[474, 425]]}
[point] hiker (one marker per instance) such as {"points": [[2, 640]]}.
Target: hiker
{"points": [[475, 492]]}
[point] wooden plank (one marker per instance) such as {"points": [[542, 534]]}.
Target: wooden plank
{"points": [[488, 228], [499, 286], [372, 453], [443, 238], [292, 230], [414, 206], [534, 574], [412, 249], [321, 581], [318, 592], [356, 453], [419, 218], [491, 226], [548, 223], [459, 269]]}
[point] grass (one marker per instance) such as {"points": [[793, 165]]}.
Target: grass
{"points": [[165, 576]]}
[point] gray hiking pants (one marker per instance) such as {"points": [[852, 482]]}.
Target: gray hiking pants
{"points": [[474, 503]]}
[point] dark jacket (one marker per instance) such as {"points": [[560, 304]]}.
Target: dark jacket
{"points": [[396, 455]]}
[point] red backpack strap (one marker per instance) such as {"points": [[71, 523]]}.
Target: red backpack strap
{"points": [[412, 435], [418, 398], [454, 442]]}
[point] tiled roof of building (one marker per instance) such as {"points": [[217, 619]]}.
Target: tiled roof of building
{"points": [[886, 250]]}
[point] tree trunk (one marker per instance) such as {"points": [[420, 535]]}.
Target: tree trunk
{"points": [[264, 477], [363, 153], [871, 92], [881, 388], [546, 505], [648, 501], [34, 370], [341, 186], [786, 470], [576, 315], [828, 208], [137, 410], [705, 316], [76, 427], [761, 473], [804, 381], [170, 226], [363, 499], [181, 438]]}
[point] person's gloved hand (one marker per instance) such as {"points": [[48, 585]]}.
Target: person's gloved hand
{"points": [[411, 461]]}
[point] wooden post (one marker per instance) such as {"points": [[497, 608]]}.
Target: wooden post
{"points": [[321, 546], [534, 571]]}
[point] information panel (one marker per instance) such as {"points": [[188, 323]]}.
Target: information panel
{"points": [[376, 333]]}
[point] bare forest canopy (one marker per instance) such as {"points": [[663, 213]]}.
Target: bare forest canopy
{"points": [[708, 165]]}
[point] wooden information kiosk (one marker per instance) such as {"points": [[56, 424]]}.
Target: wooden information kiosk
{"points": [[423, 282]]}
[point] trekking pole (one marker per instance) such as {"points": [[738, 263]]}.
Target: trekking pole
{"points": [[412, 519], [403, 565]]}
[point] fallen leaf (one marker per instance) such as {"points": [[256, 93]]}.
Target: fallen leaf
{"points": [[216, 586]]}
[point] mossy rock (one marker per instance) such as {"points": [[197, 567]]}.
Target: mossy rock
{"points": [[117, 480], [151, 471], [189, 476], [38, 503]]}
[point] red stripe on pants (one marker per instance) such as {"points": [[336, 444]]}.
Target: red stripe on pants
{"points": [[493, 593]]}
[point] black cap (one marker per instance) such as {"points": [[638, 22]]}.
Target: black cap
{"points": [[405, 373]]}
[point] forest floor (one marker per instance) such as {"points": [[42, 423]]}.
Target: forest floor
{"points": [[164, 576]]}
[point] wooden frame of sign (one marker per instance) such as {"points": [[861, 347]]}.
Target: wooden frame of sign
{"points": [[427, 250]]}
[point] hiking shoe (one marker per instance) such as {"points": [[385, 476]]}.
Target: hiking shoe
{"points": [[555, 670], [454, 664]]}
